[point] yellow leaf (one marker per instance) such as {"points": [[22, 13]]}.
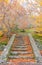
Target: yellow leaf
{"points": [[1, 0], [1, 33], [6, 1]]}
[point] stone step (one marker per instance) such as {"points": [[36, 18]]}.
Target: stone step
{"points": [[15, 45], [14, 52], [19, 49], [24, 57], [20, 46], [18, 36]]}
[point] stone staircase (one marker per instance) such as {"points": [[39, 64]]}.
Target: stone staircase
{"points": [[21, 50]]}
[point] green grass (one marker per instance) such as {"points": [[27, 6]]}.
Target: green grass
{"points": [[3, 43], [1, 35], [37, 37], [23, 30], [29, 30]]}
